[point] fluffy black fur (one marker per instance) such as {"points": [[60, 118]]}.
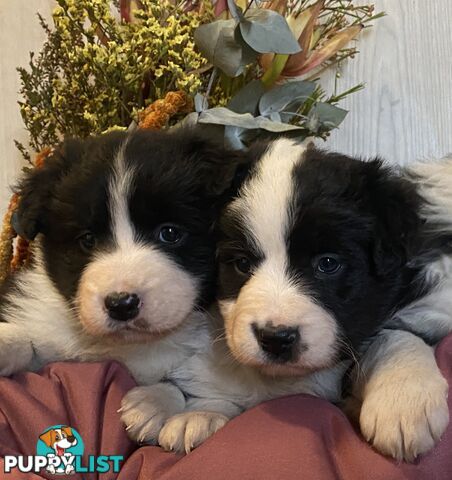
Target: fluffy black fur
{"points": [[364, 214], [182, 179]]}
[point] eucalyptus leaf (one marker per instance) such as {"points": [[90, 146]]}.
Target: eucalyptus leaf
{"points": [[289, 115], [188, 121], [240, 138], [224, 116], [247, 98], [276, 127], [233, 137], [206, 36], [235, 10], [248, 54], [217, 41], [267, 31], [201, 103], [275, 117], [313, 122], [228, 53], [281, 96], [326, 116]]}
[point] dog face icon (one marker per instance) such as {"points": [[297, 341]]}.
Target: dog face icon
{"points": [[59, 439]]}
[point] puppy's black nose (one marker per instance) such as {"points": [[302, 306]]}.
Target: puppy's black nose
{"points": [[70, 438], [279, 342], [122, 306]]}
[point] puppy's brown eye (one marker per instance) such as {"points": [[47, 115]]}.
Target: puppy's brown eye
{"points": [[87, 242], [243, 265]]}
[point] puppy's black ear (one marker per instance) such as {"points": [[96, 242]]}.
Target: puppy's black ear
{"points": [[397, 206], [219, 169], [224, 171], [37, 186]]}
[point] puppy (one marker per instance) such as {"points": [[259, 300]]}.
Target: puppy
{"points": [[324, 256], [124, 256], [321, 256], [399, 397]]}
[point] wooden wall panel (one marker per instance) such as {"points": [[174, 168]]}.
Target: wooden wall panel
{"points": [[20, 33], [405, 111]]}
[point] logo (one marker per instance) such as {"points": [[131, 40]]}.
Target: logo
{"points": [[59, 451]]}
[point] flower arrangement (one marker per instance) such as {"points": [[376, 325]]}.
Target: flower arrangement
{"points": [[104, 63], [243, 68], [98, 70]]}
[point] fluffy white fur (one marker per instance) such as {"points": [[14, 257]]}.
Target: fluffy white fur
{"points": [[272, 295], [166, 291], [42, 327], [217, 388], [39, 332], [119, 189], [192, 360], [404, 407], [400, 395], [432, 314]]}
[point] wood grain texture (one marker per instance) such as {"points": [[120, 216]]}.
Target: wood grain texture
{"points": [[404, 113], [20, 33]]}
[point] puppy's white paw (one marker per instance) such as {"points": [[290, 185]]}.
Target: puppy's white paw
{"points": [[144, 410], [408, 420], [186, 431]]}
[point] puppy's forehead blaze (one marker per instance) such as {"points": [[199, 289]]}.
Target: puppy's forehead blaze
{"points": [[120, 187], [266, 201]]}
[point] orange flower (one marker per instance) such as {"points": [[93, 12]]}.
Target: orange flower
{"points": [[7, 236], [12, 257], [157, 115]]}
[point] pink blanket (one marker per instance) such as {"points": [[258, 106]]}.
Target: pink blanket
{"points": [[290, 438]]}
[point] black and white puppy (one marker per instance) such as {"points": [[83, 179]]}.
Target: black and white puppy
{"points": [[124, 257], [324, 258]]}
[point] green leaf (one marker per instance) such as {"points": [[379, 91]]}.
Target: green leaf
{"points": [[280, 96], [271, 76], [188, 121], [234, 10], [201, 102], [248, 54], [275, 117], [246, 100], [224, 47], [217, 42], [277, 127], [224, 116], [325, 117], [267, 31], [233, 137]]}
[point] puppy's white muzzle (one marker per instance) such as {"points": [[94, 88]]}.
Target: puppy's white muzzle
{"points": [[134, 291]]}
